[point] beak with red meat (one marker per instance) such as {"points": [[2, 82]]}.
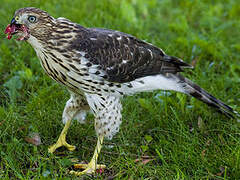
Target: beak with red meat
{"points": [[19, 29]]}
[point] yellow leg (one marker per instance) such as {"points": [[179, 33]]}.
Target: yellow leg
{"points": [[62, 140], [91, 167]]}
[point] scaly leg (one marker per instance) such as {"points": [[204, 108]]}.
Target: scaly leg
{"points": [[62, 140], [91, 167]]}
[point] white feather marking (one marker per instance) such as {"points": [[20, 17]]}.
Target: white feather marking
{"points": [[151, 83], [49, 24], [95, 66], [84, 60], [110, 68], [82, 53], [94, 99], [93, 39], [92, 70], [150, 53], [119, 38]]}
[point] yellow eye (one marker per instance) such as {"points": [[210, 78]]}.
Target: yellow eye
{"points": [[16, 18]]}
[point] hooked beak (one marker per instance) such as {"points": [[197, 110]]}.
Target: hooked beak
{"points": [[14, 27], [13, 21]]}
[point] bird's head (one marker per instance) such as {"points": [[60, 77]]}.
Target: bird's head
{"points": [[29, 22]]}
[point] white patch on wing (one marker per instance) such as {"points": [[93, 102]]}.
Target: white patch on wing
{"points": [[93, 39], [151, 83], [119, 38]]}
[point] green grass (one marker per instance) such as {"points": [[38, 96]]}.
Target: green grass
{"points": [[185, 138]]}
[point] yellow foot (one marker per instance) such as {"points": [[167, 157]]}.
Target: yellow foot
{"points": [[61, 142], [88, 168]]}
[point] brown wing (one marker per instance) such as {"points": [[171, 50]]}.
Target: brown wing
{"points": [[123, 57]]}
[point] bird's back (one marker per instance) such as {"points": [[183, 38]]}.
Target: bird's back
{"points": [[123, 57]]}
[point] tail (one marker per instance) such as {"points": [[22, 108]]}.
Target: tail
{"points": [[177, 82], [194, 90]]}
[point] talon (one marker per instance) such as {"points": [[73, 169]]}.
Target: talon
{"points": [[70, 147], [88, 168], [53, 148], [62, 140], [85, 166], [91, 167]]}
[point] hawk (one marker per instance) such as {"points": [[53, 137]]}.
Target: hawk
{"points": [[99, 67]]}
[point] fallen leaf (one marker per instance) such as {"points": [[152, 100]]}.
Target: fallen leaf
{"points": [[34, 139]]}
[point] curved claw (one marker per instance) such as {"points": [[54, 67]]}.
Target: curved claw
{"points": [[91, 167], [88, 168], [62, 140], [53, 148]]}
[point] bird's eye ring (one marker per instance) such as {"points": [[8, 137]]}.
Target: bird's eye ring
{"points": [[32, 19]]}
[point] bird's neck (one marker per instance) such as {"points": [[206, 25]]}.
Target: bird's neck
{"points": [[35, 43]]}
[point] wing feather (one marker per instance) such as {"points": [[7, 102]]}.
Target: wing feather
{"points": [[123, 57]]}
